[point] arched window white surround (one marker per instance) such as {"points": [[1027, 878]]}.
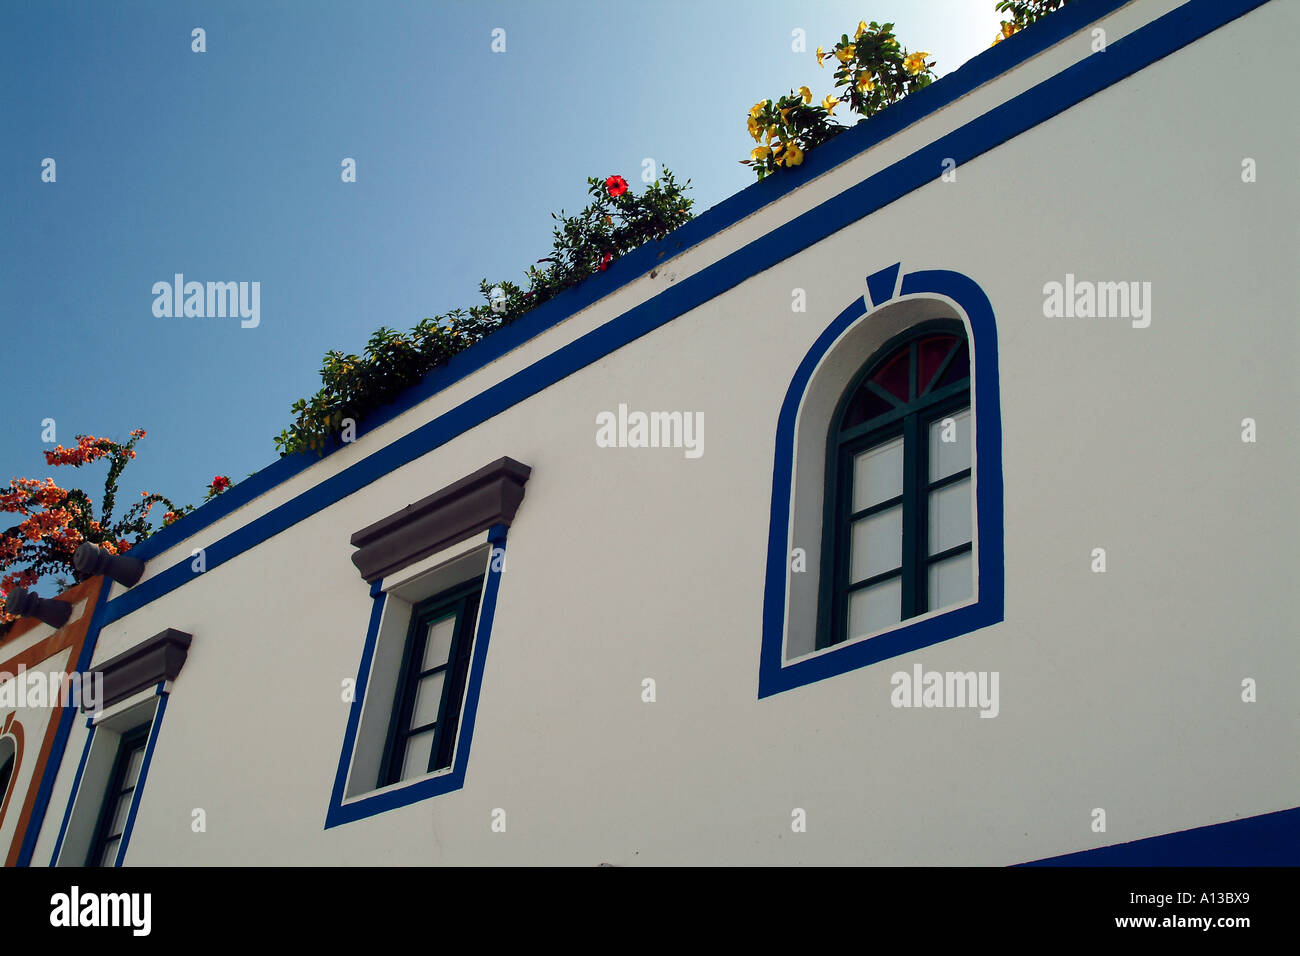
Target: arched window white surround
{"points": [[790, 654]]}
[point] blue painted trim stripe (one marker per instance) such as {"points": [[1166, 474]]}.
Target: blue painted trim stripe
{"points": [[976, 72], [339, 812], [66, 719], [1271, 839], [72, 797], [1074, 84], [144, 774]]}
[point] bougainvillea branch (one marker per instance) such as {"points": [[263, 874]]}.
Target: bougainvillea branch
{"points": [[56, 522]]}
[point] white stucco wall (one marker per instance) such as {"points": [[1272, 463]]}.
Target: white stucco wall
{"points": [[1118, 690]]}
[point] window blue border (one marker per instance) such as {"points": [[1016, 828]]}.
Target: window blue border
{"points": [[154, 727], [366, 806], [773, 675]]}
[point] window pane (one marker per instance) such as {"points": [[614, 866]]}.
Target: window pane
{"points": [[878, 474], [951, 581], [415, 763], [133, 764], [950, 457], [120, 813], [428, 694], [958, 369], [894, 374], [931, 351], [438, 645], [875, 607], [109, 853], [865, 405], [950, 516], [877, 544]]}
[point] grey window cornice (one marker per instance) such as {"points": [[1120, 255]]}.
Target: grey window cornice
{"points": [[459, 511]]}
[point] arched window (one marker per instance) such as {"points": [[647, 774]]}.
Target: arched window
{"points": [[899, 508]]}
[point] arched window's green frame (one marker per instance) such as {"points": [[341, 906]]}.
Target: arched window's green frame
{"points": [[927, 402]]}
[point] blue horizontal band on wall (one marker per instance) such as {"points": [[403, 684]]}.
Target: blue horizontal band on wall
{"points": [[1272, 839], [989, 65], [1122, 58], [774, 676]]}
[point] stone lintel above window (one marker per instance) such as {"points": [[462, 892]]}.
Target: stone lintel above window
{"points": [[488, 497], [148, 663]]}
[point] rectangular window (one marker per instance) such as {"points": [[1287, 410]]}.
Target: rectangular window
{"points": [[435, 662], [118, 798]]}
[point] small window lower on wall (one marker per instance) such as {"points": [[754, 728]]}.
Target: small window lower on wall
{"points": [[435, 663], [118, 798], [410, 727]]}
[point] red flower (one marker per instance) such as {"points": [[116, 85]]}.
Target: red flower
{"points": [[605, 260], [220, 484], [616, 185]]}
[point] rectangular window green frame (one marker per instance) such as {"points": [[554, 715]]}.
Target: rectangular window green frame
{"points": [[461, 601], [132, 742]]}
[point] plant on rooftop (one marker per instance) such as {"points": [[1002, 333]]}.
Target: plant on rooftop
{"points": [[873, 71], [1023, 13], [614, 223], [55, 522]]}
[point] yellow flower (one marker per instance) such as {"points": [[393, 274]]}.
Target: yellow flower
{"points": [[915, 62], [755, 129], [865, 83], [759, 154], [771, 131], [862, 28], [785, 114], [777, 148], [806, 94], [820, 56], [793, 155], [1009, 28], [845, 54], [829, 104], [757, 108]]}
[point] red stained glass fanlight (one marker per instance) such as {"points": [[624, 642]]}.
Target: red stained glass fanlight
{"points": [[909, 373]]}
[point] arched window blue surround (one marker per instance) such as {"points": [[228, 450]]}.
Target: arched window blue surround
{"points": [[885, 290]]}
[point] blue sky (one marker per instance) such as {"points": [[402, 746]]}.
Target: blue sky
{"points": [[225, 166]]}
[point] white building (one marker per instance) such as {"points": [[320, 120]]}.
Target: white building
{"points": [[999, 386]]}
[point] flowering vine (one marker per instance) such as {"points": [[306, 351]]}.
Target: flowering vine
{"points": [[872, 71], [55, 521], [615, 222], [1023, 13]]}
